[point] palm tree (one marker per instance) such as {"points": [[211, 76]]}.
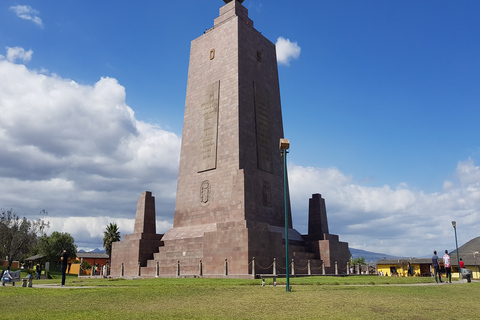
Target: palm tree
{"points": [[110, 235]]}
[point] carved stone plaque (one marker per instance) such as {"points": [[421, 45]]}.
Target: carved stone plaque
{"points": [[264, 129], [209, 128]]}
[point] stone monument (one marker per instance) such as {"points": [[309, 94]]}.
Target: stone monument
{"points": [[229, 212], [137, 248]]}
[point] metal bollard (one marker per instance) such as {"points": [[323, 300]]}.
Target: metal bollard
{"points": [[253, 267], [274, 266]]}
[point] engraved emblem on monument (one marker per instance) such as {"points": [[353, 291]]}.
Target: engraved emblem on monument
{"points": [[209, 128], [205, 192]]}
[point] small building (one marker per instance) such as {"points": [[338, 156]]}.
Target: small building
{"points": [[92, 258], [100, 258], [421, 267], [470, 255]]}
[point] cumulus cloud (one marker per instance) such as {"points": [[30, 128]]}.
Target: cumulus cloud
{"points": [[286, 50], [18, 53], [27, 13], [390, 220], [79, 152]]}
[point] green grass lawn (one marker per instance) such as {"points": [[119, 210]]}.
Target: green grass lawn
{"points": [[354, 297]]}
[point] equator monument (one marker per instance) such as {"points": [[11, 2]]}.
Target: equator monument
{"points": [[229, 211]]}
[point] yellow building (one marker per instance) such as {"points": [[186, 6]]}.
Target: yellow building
{"points": [[420, 267], [469, 253]]}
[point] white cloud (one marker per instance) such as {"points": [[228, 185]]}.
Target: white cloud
{"points": [[79, 152], [18, 53], [27, 13], [392, 221], [286, 51]]}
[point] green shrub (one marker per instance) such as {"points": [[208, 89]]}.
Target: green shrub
{"points": [[86, 265]]}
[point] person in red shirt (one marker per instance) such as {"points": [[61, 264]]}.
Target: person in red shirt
{"points": [[462, 265]]}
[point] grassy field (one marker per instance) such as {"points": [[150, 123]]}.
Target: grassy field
{"points": [[356, 297]]}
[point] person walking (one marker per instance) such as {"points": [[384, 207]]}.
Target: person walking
{"points": [[39, 271], [436, 268], [448, 267], [64, 260]]}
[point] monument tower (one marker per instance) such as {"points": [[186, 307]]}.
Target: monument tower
{"points": [[230, 184], [230, 192]]}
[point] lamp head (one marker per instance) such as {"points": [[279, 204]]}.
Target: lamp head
{"points": [[454, 224], [284, 144]]}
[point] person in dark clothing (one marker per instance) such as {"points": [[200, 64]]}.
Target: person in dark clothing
{"points": [[39, 271], [64, 260], [436, 267]]}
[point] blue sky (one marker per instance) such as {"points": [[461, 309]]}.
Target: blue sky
{"points": [[380, 102]]}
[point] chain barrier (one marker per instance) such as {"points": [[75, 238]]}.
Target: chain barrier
{"points": [[304, 268], [280, 267], [258, 266], [248, 264]]}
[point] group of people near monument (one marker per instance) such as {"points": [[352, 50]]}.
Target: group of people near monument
{"points": [[447, 264]]}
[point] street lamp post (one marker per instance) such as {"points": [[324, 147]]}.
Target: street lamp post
{"points": [[454, 224], [284, 146]]}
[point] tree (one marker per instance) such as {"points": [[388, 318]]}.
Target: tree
{"points": [[110, 235], [52, 246], [357, 261], [18, 236]]}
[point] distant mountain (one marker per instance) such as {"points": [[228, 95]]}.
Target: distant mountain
{"points": [[370, 256]]}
